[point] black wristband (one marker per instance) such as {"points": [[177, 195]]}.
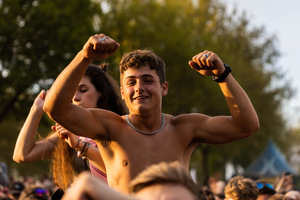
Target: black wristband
{"points": [[224, 75]]}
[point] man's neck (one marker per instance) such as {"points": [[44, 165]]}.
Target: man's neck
{"points": [[146, 123], [143, 132]]}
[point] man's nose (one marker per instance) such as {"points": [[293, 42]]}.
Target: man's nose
{"points": [[139, 87]]}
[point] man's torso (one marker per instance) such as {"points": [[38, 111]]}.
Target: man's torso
{"points": [[130, 152]]}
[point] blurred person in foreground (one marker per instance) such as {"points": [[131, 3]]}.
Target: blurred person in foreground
{"points": [[277, 196], [159, 181], [292, 195]]}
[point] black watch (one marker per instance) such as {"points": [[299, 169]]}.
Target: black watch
{"points": [[224, 75]]}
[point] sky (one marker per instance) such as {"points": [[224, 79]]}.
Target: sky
{"points": [[282, 18]]}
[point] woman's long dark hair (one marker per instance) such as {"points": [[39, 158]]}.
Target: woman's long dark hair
{"points": [[62, 165], [110, 96]]}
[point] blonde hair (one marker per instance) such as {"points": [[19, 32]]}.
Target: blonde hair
{"points": [[240, 188], [166, 173], [62, 165]]}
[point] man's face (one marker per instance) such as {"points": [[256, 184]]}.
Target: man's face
{"points": [[164, 192], [142, 90]]}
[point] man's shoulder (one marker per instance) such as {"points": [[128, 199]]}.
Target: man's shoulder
{"points": [[106, 114], [186, 118]]}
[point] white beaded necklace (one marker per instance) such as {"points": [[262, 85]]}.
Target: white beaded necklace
{"points": [[142, 132]]}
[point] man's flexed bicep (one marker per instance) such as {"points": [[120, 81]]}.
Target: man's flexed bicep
{"points": [[216, 130], [243, 120]]}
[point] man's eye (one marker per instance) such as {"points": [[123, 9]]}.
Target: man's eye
{"points": [[130, 83], [148, 81]]}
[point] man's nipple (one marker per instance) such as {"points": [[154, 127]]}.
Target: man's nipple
{"points": [[125, 163]]}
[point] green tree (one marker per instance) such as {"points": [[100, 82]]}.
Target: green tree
{"points": [[7, 143], [38, 38]]}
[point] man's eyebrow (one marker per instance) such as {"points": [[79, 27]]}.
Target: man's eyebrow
{"points": [[147, 75], [143, 76]]}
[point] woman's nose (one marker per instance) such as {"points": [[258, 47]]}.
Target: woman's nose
{"points": [[76, 97]]}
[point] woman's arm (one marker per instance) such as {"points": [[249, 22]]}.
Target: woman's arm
{"points": [[27, 149], [91, 152]]}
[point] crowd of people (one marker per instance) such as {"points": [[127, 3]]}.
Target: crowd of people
{"points": [[133, 150], [156, 181], [41, 187]]}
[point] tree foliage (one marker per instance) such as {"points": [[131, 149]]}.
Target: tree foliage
{"points": [[45, 35], [38, 38]]}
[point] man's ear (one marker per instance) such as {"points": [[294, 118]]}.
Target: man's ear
{"points": [[165, 87], [122, 93]]}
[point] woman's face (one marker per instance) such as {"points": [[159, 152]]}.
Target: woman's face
{"points": [[86, 94]]}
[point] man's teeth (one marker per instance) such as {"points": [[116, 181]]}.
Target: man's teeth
{"points": [[141, 98]]}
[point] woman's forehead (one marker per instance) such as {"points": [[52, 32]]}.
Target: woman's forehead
{"points": [[85, 80]]}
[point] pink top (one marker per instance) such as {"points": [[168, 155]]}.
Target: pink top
{"points": [[95, 171]]}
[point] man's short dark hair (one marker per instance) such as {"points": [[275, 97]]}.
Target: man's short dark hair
{"points": [[139, 58]]}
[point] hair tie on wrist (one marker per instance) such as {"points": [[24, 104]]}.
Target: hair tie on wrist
{"points": [[76, 147], [79, 153]]}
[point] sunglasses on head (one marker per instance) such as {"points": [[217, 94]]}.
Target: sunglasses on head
{"points": [[260, 185], [39, 192]]}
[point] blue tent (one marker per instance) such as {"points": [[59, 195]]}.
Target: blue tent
{"points": [[270, 163]]}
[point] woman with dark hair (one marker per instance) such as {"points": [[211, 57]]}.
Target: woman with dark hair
{"points": [[96, 90]]}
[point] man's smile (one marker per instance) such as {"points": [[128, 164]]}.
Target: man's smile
{"points": [[142, 97]]}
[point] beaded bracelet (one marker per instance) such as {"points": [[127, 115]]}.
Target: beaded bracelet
{"points": [[81, 150], [76, 147]]}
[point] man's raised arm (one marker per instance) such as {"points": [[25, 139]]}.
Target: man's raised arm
{"points": [[58, 101], [243, 120]]}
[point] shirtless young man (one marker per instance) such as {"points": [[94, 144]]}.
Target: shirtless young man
{"points": [[128, 151]]}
